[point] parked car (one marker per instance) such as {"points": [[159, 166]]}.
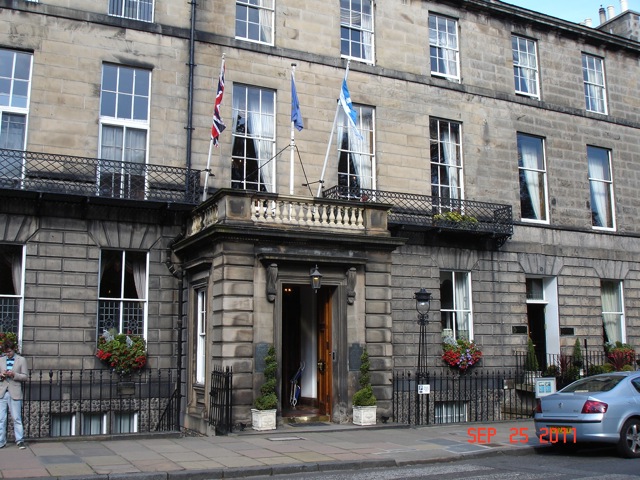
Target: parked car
{"points": [[602, 408]]}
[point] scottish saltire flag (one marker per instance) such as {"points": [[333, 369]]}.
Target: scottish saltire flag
{"points": [[296, 116], [218, 125], [347, 105]]}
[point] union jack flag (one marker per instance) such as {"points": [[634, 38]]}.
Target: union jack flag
{"points": [[218, 125]]}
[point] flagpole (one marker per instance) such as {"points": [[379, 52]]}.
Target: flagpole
{"points": [[292, 145], [333, 127], [208, 169]]}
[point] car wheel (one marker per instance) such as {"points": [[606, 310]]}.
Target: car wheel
{"points": [[629, 443]]}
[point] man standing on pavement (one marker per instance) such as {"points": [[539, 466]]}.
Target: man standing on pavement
{"points": [[13, 372]]}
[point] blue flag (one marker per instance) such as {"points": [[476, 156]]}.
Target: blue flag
{"points": [[347, 105], [296, 116]]}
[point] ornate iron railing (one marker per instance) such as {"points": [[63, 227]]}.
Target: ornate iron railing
{"points": [[220, 400], [434, 212], [94, 177]]}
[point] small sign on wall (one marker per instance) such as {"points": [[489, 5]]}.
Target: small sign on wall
{"points": [[424, 389], [545, 386]]}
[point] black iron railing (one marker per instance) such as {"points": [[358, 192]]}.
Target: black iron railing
{"points": [[220, 403], [434, 212], [61, 403], [445, 397], [93, 177]]}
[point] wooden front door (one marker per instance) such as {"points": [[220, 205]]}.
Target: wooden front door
{"points": [[325, 352]]}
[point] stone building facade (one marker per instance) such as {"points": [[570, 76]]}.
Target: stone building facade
{"points": [[522, 125]]}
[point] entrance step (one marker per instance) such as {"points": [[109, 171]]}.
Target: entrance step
{"points": [[302, 420]]}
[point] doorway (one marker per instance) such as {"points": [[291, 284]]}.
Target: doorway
{"points": [[307, 351]]}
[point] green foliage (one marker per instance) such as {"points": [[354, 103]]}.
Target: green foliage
{"points": [[620, 354], [268, 400], [12, 337], [122, 353], [364, 397], [578, 359], [455, 217], [531, 361]]}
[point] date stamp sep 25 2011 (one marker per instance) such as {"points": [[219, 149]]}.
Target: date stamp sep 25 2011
{"points": [[548, 435]]}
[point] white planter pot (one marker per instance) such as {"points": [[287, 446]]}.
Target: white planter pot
{"points": [[263, 419], [364, 415]]}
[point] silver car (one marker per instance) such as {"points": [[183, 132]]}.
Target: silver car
{"points": [[602, 408]]}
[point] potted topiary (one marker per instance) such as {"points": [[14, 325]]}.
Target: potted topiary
{"points": [[263, 416], [531, 366], [364, 401], [578, 359]]}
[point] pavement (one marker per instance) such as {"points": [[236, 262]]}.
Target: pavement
{"points": [[286, 450]]}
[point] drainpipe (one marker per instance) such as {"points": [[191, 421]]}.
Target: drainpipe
{"points": [[192, 65]]}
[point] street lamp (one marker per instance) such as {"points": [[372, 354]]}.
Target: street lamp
{"points": [[423, 304], [316, 278]]}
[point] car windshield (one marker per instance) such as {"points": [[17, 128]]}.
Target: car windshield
{"points": [[594, 384]]}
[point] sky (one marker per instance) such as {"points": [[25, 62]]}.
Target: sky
{"points": [[573, 10]]}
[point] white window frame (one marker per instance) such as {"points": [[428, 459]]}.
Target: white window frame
{"points": [[444, 46], [131, 419], [447, 150], [122, 9], [122, 173], [462, 307], [9, 301], [56, 424], [595, 89], [601, 187], [120, 300], [451, 411], [533, 178], [357, 155], [263, 116], [357, 30], [607, 309], [525, 66], [201, 340], [265, 12], [88, 418]]}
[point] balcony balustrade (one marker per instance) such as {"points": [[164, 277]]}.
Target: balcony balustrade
{"points": [[94, 177], [434, 213]]}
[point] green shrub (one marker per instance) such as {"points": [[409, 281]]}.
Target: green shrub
{"points": [[268, 400], [578, 359], [364, 397], [531, 361]]}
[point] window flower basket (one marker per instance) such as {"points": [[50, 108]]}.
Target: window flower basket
{"points": [[122, 353], [461, 354]]}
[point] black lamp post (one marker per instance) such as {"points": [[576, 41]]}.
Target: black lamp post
{"points": [[423, 304]]}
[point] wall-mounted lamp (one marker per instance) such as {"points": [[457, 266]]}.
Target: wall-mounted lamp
{"points": [[316, 279]]}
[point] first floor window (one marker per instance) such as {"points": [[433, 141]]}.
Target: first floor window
{"points": [[254, 20], [525, 66], [201, 314], [122, 303], [356, 163], [11, 287], [612, 311], [455, 301], [533, 178], [601, 187], [446, 162], [252, 165]]}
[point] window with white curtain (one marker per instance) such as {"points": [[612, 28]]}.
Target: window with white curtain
{"points": [[443, 46], [446, 163], [356, 156], [125, 422], [11, 288], [525, 66], [122, 300], [601, 186], [15, 90], [254, 20], [201, 315], [612, 311], [252, 164], [134, 9], [594, 83], [94, 423], [356, 29], [62, 425], [455, 305], [533, 178], [124, 126]]}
